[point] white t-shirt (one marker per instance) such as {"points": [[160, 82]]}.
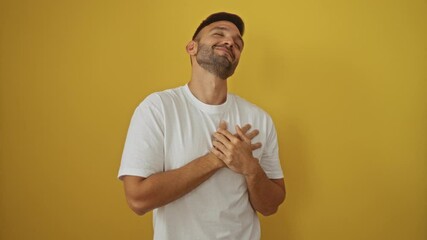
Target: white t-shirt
{"points": [[170, 129]]}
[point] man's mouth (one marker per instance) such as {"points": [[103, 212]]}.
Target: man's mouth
{"points": [[226, 50]]}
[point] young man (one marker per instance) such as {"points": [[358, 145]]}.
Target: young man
{"points": [[189, 154]]}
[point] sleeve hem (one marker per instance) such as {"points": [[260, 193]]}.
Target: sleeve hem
{"points": [[134, 172], [274, 175]]}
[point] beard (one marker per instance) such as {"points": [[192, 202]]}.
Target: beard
{"points": [[216, 64]]}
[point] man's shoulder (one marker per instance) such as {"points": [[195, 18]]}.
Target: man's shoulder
{"points": [[167, 93], [162, 97]]}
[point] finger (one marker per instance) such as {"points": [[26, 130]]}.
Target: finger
{"points": [[218, 154], [223, 140], [255, 146], [223, 124], [246, 128], [242, 135], [220, 147], [252, 134], [228, 135]]}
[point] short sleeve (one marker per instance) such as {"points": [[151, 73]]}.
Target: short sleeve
{"points": [[270, 161], [143, 153]]}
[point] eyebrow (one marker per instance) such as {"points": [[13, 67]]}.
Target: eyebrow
{"points": [[225, 28]]}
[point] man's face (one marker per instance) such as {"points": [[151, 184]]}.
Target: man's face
{"points": [[219, 48]]}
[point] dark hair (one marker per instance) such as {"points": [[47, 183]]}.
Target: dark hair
{"points": [[221, 16]]}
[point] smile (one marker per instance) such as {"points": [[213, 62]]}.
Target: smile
{"points": [[224, 49]]}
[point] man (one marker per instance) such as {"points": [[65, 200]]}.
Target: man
{"points": [[189, 154]]}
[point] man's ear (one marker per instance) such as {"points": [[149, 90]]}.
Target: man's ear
{"points": [[191, 48]]}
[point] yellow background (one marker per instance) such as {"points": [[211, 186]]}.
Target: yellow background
{"points": [[345, 82]]}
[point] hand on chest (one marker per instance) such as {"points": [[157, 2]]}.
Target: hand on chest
{"points": [[190, 136]]}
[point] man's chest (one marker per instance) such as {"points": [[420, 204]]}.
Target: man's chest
{"points": [[188, 135]]}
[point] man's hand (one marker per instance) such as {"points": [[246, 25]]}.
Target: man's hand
{"points": [[236, 150], [245, 129]]}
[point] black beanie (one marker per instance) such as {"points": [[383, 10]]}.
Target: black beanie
{"points": [[222, 16]]}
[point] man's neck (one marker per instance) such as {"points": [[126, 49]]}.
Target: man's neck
{"points": [[207, 87]]}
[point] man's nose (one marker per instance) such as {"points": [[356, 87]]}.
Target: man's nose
{"points": [[229, 42]]}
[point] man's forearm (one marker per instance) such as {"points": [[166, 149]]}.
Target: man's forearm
{"points": [[265, 194], [162, 188]]}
